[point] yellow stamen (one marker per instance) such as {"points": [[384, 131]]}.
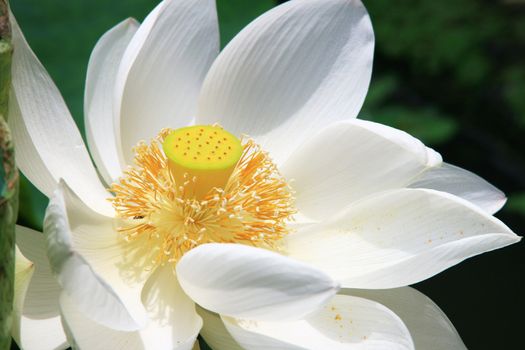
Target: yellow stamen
{"points": [[156, 200]]}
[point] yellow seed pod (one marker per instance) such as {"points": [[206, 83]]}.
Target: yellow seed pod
{"points": [[206, 154]]}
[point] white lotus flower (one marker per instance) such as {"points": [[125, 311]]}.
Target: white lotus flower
{"points": [[376, 209]]}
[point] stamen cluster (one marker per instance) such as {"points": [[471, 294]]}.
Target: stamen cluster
{"points": [[253, 208]]}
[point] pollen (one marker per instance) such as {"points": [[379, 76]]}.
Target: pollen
{"points": [[175, 202]]}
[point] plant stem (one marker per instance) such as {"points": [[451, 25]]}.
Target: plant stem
{"points": [[8, 185]]}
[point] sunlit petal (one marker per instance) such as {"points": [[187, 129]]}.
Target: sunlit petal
{"points": [[429, 326], [162, 70], [464, 184], [48, 143], [243, 281], [36, 321], [346, 322], [173, 322], [350, 160], [98, 99], [295, 69], [399, 237], [92, 263]]}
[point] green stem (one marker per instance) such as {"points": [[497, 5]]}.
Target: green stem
{"points": [[8, 185]]}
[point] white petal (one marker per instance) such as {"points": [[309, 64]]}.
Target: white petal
{"points": [[84, 333], [294, 70], [172, 313], [243, 281], [345, 323], [28, 159], [464, 184], [350, 160], [95, 267], [215, 333], [163, 68], [174, 324], [399, 237], [24, 270], [48, 143], [429, 326], [98, 99], [37, 322]]}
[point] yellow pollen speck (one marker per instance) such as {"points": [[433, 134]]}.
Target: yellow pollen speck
{"points": [[338, 317], [156, 202]]}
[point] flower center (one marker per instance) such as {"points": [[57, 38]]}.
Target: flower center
{"points": [[207, 155], [199, 185]]}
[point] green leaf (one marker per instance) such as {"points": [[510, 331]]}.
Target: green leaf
{"points": [[32, 205], [381, 88], [513, 90], [425, 124], [516, 203]]}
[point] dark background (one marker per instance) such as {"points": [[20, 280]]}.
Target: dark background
{"points": [[450, 72]]}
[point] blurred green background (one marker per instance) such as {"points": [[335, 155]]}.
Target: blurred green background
{"points": [[449, 72]]}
